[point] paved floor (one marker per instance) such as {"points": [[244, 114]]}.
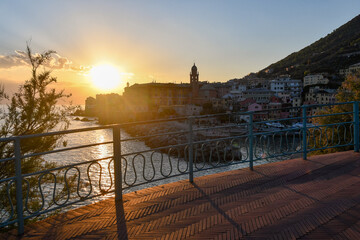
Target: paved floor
{"points": [[314, 199]]}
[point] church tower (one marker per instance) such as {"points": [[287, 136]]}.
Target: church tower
{"points": [[194, 82]]}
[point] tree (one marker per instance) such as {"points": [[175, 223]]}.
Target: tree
{"points": [[339, 134], [32, 110], [350, 89]]}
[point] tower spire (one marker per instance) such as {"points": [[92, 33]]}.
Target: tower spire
{"points": [[194, 82]]}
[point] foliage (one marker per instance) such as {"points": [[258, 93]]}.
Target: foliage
{"points": [[32, 110], [349, 91], [78, 111]]}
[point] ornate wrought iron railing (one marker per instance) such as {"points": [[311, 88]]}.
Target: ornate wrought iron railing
{"points": [[199, 143]]}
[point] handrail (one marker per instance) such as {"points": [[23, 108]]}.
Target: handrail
{"points": [[73, 183], [109, 126]]}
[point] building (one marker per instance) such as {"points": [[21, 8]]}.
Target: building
{"points": [[315, 79], [350, 70], [239, 87], [256, 108], [286, 88], [105, 107], [260, 95], [244, 105], [250, 81], [321, 95], [183, 110], [296, 104], [236, 93], [151, 96], [206, 93], [90, 107], [221, 88], [287, 84], [219, 104], [194, 84]]}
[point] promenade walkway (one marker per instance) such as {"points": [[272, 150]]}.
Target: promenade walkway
{"points": [[314, 199]]}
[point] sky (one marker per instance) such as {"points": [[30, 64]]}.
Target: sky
{"points": [[159, 40]]}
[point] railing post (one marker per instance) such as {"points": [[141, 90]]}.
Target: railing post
{"points": [[251, 140], [304, 132], [117, 162], [356, 127], [191, 149], [19, 197]]}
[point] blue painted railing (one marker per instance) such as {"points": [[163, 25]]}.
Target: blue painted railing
{"points": [[247, 137]]}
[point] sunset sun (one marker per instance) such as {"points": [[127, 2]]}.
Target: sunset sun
{"points": [[105, 77]]}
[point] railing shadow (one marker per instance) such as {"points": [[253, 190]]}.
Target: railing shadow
{"points": [[219, 210], [122, 233]]}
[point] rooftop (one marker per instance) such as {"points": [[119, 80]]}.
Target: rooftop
{"points": [[154, 84], [258, 90]]}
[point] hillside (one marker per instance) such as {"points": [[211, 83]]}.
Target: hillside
{"points": [[337, 50]]}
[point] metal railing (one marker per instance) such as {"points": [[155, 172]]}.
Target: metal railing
{"points": [[231, 139]]}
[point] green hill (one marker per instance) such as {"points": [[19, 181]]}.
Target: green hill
{"points": [[337, 50]]}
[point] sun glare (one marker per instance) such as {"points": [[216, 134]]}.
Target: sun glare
{"points": [[105, 77]]}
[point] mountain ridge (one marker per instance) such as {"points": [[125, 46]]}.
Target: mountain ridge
{"points": [[331, 53]]}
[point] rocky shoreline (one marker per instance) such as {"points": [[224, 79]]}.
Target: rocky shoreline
{"points": [[158, 138], [147, 130]]}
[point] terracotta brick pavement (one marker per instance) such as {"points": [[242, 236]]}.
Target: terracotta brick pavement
{"points": [[294, 199]]}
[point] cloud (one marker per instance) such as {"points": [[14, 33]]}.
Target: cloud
{"points": [[15, 60], [19, 58], [81, 69], [59, 62]]}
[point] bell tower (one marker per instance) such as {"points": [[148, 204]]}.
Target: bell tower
{"points": [[194, 82], [194, 75]]}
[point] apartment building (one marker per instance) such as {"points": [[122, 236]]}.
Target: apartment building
{"points": [[286, 88], [260, 95], [315, 79], [350, 70], [320, 95]]}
